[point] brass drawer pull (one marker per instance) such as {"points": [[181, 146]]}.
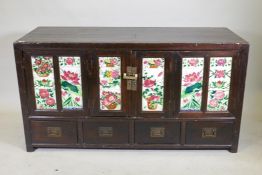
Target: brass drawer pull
{"points": [[130, 77], [209, 132], [54, 132], [105, 132], [157, 132]]}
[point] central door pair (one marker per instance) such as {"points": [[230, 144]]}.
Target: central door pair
{"points": [[131, 84]]}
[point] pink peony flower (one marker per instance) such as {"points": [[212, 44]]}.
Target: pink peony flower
{"points": [[193, 62], [149, 83], [220, 74], [221, 62], [157, 62], [219, 95], [50, 101], [103, 82], [213, 103], [43, 93], [70, 60], [115, 74]]}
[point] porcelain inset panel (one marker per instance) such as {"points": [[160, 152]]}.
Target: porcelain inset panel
{"points": [[44, 83], [192, 82], [153, 84], [110, 83], [70, 80], [219, 83]]}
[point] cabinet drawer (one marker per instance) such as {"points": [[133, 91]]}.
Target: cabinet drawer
{"points": [[56, 132], [156, 132], [210, 133], [106, 132]]}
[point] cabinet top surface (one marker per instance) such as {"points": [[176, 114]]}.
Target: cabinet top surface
{"points": [[151, 35]]}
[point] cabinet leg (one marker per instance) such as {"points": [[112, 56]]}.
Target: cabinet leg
{"points": [[30, 149], [233, 150]]}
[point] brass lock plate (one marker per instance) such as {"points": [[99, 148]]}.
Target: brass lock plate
{"points": [[54, 132], [157, 132], [131, 78], [105, 131], [209, 132]]}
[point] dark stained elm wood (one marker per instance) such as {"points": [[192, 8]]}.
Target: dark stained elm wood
{"points": [[116, 132], [223, 136], [143, 129], [131, 35], [130, 126], [42, 132]]}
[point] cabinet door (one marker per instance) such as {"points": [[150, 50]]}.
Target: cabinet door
{"points": [[56, 85], [108, 90], [155, 76], [207, 79]]}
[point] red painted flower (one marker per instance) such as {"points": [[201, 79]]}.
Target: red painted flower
{"points": [[43, 93], [50, 101], [219, 95], [220, 74], [221, 62], [70, 76], [193, 62], [77, 99], [70, 60], [219, 83], [213, 103], [149, 83], [38, 62], [153, 98]]}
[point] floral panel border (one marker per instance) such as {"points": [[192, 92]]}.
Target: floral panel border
{"points": [[110, 83], [71, 84], [44, 83], [192, 82], [219, 83], [153, 84]]}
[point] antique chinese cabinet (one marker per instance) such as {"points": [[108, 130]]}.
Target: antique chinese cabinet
{"points": [[131, 88]]}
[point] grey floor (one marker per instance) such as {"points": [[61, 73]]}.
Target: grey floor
{"points": [[14, 160]]}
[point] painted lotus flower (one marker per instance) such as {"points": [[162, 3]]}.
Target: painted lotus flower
{"points": [[192, 78], [71, 77]]}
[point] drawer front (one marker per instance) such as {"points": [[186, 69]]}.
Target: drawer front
{"points": [[210, 133], [54, 132], [156, 132], [106, 132]]}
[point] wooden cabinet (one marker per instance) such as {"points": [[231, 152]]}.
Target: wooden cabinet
{"points": [[136, 88]]}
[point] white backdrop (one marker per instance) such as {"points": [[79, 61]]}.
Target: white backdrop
{"points": [[19, 17]]}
